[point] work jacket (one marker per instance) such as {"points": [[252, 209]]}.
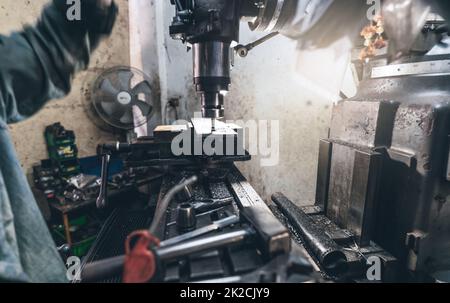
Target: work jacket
{"points": [[37, 65]]}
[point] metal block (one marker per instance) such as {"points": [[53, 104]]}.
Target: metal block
{"points": [[366, 170], [165, 133], [341, 173], [354, 174]]}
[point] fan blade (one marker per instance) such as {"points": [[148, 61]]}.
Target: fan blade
{"points": [[142, 88], [118, 112], [124, 78], [107, 87], [145, 108], [127, 117], [109, 107]]}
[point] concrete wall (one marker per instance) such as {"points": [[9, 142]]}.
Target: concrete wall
{"points": [[70, 111], [265, 86]]}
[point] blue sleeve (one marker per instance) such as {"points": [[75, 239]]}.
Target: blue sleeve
{"points": [[38, 64]]}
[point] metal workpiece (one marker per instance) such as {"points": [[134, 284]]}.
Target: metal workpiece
{"points": [[329, 254]]}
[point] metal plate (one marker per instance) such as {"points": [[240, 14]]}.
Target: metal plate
{"points": [[410, 69]]}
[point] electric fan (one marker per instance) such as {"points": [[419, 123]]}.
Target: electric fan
{"points": [[123, 97]]}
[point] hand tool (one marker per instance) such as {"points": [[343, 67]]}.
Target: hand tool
{"points": [[216, 225]]}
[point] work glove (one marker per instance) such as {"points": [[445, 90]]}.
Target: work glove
{"points": [[97, 16]]}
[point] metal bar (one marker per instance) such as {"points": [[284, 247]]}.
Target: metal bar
{"points": [[331, 257], [216, 225], [410, 69], [362, 197], [261, 40], [210, 243], [274, 235]]}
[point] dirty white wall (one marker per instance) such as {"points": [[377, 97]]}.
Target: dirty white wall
{"points": [[70, 111], [265, 87]]}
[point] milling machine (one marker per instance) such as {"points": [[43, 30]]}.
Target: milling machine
{"points": [[383, 174]]}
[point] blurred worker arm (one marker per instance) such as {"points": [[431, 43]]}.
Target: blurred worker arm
{"points": [[38, 64], [318, 24]]}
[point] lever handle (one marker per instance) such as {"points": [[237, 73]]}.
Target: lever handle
{"points": [[242, 50], [103, 195]]}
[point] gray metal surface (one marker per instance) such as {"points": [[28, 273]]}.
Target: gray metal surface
{"points": [[325, 249], [211, 59], [397, 128], [201, 231], [247, 196], [411, 69], [209, 243]]}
